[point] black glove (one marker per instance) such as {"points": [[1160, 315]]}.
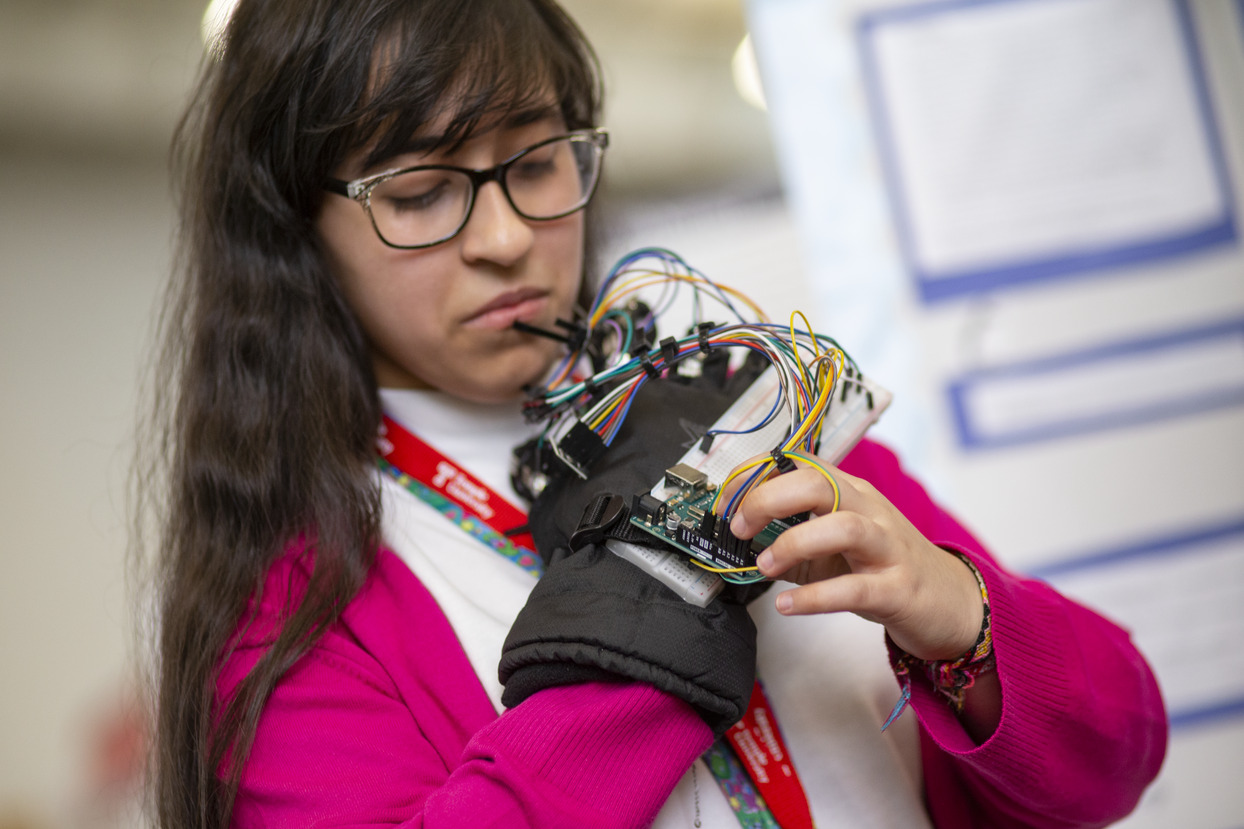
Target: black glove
{"points": [[595, 616]]}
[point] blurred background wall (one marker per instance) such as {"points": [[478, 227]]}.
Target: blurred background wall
{"points": [[89, 92]]}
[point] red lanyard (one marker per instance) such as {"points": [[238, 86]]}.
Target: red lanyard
{"points": [[426, 465], [760, 747], [756, 740]]}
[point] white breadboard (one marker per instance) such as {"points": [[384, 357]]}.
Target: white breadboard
{"points": [[694, 584], [846, 421]]}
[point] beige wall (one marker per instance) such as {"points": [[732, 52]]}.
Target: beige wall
{"points": [[83, 246]]}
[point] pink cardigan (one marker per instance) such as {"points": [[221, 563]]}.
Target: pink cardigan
{"points": [[385, 722]]}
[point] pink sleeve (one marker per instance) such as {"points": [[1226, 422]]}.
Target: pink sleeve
{"points": [[356, 735], [1083, 728]]}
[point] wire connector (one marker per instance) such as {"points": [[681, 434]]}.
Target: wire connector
{"points": [[669, 351], [784, 464], [577, 446], [702, 334], [575, 331]]}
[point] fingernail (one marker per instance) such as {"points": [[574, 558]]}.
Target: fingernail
{"points": [[785, 603], [764, 561], [737, 526]]}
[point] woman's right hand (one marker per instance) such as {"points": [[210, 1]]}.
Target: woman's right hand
{"points": [[857, 553]]}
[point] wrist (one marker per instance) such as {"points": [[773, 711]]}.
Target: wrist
{"points": [[974, 603], [953, 676], [952, 613]]}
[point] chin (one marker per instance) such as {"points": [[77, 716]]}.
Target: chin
{"points": [[497, 375], [504, 388], [491, 397]]}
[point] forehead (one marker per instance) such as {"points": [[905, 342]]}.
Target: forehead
{"points": [[418, 113], [435, 77], [443, 138]]}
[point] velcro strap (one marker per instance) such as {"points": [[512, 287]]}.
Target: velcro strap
{"points": [[608, 515]]}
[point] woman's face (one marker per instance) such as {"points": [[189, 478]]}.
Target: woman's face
{"points": [[441, 317]]}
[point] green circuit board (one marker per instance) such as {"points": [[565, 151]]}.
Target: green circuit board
{"points": [[685, 520]]}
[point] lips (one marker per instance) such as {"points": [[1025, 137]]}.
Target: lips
{"points": [[501, 312]]}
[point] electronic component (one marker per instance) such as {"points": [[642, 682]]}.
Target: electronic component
{"points": [[682, 475], [684, 519], [576, 445], [693, 584], [679, 508], [810, 406]]}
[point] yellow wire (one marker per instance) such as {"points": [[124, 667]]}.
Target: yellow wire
{"points": [[819, 467], [815, 464], [816, 344], [813, 417], [794, 346], [830, 363], [752, 464], [799, 456], [699, 563], [645, 279]]}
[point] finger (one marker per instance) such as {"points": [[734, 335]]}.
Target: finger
{"points": [[802, 490], [739, 476], [864, 595], [763, 465], [855, 539], [805, 571]]}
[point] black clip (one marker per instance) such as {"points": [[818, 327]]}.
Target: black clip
{"points": [[652, 371], [702, 329], [784, 463], [576, 331], [669, 351], [527, 328], [601, 513], [536, 410]]}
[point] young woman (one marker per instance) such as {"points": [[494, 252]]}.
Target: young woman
{"points": [[328, 641]]}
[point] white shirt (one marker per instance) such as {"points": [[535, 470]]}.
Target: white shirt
{"points": [[827, 677]]}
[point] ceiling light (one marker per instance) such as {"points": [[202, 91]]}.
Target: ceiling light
{"points": [[215, 19], [747, 74]]}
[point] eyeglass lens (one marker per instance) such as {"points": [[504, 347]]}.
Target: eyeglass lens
{"points": [[422, 207]]}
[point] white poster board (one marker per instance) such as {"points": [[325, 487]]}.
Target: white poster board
{"points": [[1097, 145], [1022, 216]]}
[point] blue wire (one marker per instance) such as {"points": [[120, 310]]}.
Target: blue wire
{"points": [[630, 400], [734, 499], [777, 405]]}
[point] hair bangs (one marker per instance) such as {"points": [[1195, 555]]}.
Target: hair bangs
{"points": [[489, 63]]}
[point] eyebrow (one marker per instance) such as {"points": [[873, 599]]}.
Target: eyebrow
{"points": [[418, 145]]}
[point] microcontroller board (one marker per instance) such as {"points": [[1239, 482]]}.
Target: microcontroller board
{"points": [[684, 518]]}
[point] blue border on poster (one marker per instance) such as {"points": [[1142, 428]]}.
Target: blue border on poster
{"points": [[970, 437], [939, 286], [1171, 545]]}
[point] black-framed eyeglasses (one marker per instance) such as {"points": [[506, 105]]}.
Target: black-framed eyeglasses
{"points": [[417, 207]]}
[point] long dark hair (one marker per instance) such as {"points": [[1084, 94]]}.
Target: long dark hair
{"points": [[264, 400]]}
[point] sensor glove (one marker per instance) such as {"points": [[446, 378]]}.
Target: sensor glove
{"points": [[595, 616]]}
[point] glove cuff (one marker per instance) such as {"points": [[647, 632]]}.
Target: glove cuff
{"points": [[599, 616]]}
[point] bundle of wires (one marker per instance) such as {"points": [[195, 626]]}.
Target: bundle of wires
{"points": [[810, 367]]}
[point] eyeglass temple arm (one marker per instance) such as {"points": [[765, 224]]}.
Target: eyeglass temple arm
{"points": [[336, 185]]}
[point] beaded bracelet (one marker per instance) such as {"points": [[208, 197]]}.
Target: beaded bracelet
{"points": [[950, 678]]}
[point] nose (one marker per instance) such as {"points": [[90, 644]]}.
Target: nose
{"points": [[495, 233]]}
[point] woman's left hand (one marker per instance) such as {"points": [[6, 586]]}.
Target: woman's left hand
{"points": [[865, 558]]}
